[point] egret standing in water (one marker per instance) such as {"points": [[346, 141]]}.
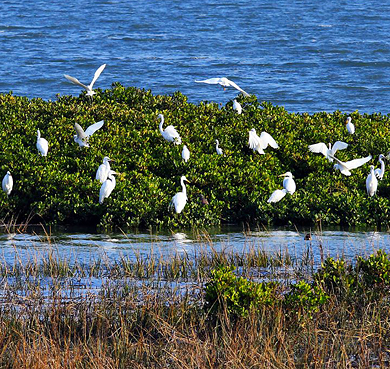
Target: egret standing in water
{"points": [[185, 154], [103, 170], [224, 82], [42, 144], [258, 144], [170, 134], [379, 172], [349, 125], [82, 137], [89, 88], [180, 199], [7, 183], [237, 106], [217, 148], [107, 186], [371, 182]]}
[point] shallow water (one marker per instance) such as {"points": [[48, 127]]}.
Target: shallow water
{"points": [[304, 55]]}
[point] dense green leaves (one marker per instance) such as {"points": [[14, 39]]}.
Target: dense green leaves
{"points": [[61, 188]]}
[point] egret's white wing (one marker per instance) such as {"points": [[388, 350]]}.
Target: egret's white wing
{"points": [[80, 132], [97, 74], [75, 81], [338, 145], [211, 81], [93, 128], [171, 130], [277, 195], [254, 140], [356, 163], [231, 83], [319, 148], [266, 139]]}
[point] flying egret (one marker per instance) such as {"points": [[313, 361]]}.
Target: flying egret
{"points": [[349, 125], [42, 144], [82, 137], [7, 183], [185, 154], [320, 148], [89, 88], [237, 106], [288, 182], [346, 167], [107, 186], [371, 182], [277, 195], [258, 144], [224, 82], [103, 170], [169, 133], [380, 172], [217, 148], [180, 199]]}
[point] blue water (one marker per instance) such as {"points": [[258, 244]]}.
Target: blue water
{"points": [[305, 55]]}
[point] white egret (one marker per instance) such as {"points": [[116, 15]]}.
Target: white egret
{"points": [[258, 144], [224, 82], [321, 148], [346, 167], [180, 199], [7, 183], [371, 182], [349, 125], [277, 195], [380, 172], [107, 186], [288, 182], [185, 154], [82, 137], [217, 148], [89, 88], [42, 144], [237, 106], [103, 170], [169, 133]]}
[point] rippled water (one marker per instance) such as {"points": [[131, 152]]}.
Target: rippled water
{"points": [[304, 55]]}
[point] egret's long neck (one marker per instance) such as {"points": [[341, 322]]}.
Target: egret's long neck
{"points": [[161, 124], [217, 143], [382, 164], [183, 187], [39, 135]]}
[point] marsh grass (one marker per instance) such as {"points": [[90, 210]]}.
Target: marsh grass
{"points": [[148, 312]]}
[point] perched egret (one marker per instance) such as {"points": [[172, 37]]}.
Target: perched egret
{"points": [[89, 88], [371, 182], [7, 183], [349, 125], [42, 144], [185, 154], [224, 82], [288, 182], [217, 148], [169, 133], [103, 170], [380, 172], [277, 195], [346, 167], [258, 144], [321, 148], [180, 199], [107, 186], [237, 106], [82, 137]]}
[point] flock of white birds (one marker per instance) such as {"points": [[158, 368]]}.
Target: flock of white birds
{"points": [[257, 143]]}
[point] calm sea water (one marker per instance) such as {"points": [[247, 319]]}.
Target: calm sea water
{"points": [[305, 55]]}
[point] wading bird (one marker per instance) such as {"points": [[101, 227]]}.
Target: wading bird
{"points": [[289, 186], [180, 199], [185, 154], [321, 148], [224, 82], [379, 172], [237, 106], [89, 88], [82, 137], [107, 186], [217, 148], [349, 125], [42, 144], [371, 182], [170, 134], [103, 170], [7, 183], [346, 167], [258, 144]]}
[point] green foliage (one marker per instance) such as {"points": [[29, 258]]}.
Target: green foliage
{"points": [[236, 294], [375, 271], [61, 188]]}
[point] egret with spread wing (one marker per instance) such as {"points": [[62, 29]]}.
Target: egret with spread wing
{"points": [[321, 148], [81, 136], [224, 82], [89, 88], [258, 144], [346, 167]]}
